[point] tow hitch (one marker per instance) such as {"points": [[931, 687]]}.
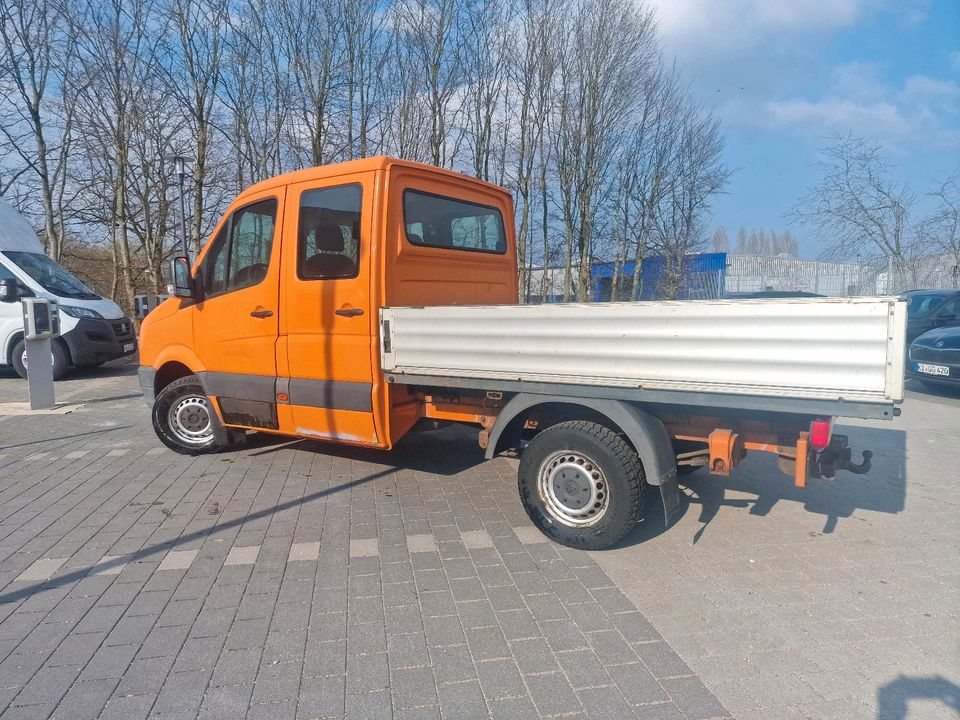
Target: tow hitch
{"points": [[837, 456]]}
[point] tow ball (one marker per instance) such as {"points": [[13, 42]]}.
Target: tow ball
{"points": [[837, 456]]}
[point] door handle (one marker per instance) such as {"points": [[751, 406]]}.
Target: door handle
{"points": [[261, 313], [349, 312]]}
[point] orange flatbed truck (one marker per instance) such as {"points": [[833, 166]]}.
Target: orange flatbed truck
{"points": [[356, 302]]}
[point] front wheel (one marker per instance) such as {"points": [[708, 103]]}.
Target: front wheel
{"points": [[184, 419], [581, 484], [60, 360]]}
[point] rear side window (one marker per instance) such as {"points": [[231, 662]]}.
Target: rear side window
{"points": [[328, 234], [240, 254], [436, 221]]}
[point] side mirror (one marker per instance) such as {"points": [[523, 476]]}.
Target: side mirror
{"points": [[182, 283], [9, 291]]}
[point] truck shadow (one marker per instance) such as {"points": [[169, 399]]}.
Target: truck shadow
{"points": [[893, 699], [757, 484], [447, 451]]}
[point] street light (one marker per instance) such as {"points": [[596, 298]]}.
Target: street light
{"points": [[179, 167]]}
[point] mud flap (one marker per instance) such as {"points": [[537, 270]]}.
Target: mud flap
{"points": [[670, 494]]}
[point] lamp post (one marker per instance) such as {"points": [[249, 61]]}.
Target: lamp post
{"points": [[179, 167]]}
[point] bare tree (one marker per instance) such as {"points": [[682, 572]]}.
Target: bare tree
{"points": [[940, 231], [857, 206], [364, 37], [255, 90], [533, 76], [698, 176], [719, 241], [608, 49], [119, 56], [431, 34], [36, 107], [194, 69]]}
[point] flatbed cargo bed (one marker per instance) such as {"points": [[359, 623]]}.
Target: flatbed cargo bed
{"points": [[821, 356]]}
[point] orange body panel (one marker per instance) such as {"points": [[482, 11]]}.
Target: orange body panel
{"points": [[311, 350]]}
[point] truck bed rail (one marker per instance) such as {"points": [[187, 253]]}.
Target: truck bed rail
{"points": [[824, 353]]}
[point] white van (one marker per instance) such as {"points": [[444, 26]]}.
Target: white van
{"points": [[93, 329]]}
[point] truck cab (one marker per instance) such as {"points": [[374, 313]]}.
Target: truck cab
{"points": [[278, 323]]}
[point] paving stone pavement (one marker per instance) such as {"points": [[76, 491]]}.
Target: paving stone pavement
{"points": [[298, 580]]}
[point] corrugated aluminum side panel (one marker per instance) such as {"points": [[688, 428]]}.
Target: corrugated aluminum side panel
{"points": [[849, 349]]}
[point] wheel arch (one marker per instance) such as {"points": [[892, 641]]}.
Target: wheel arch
{"points": [[168, 372], [645, 433], [11, 342]]}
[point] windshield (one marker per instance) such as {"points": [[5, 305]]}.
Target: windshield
{"points": [[52, 277], [924, 303]]}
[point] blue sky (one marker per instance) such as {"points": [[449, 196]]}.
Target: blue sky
{"points": [[785, 75]]}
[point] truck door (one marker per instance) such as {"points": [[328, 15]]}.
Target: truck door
{"points": [[327, 326], [236, 323]]}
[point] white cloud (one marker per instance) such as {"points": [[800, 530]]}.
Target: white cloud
{"points": [[858, 101], [924, 86], [955, 61], [737, 26]]}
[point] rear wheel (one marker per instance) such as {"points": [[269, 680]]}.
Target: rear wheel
{"points": [[581, 484], [185, 421]]}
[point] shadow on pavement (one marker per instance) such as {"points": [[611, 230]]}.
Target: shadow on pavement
{"points": [[883, 489], [893, 699], [65, 437], [146, 552], [417, 451], [444, 452]]}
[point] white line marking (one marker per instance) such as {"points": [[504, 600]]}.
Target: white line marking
{"points": [[242, 555], [42, 569], [304, 551], [421, 543], [178, 560], [104, 567], [368, 547], [35, 456], [155, 451], [118, 452], [76, 454], [476, 539], [529, 535]]}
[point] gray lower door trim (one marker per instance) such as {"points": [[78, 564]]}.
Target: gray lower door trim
{"points": [[241, 386], [329, 394], [332, 394]]}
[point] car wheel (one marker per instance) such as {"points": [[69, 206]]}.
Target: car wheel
{"points": [[185, 420], [581, 484], [60, 361]]}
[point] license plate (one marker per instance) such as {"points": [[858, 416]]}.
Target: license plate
{"points": [[933, 369], [128, 347]]}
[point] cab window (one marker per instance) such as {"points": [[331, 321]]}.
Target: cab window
{"points": [[436, 221], [328, 235], [240, 254]]}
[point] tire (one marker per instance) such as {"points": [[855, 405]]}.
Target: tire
{"points": [[185, 421], [581, 484], [61, 363]]}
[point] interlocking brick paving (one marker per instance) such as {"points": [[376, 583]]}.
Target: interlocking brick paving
{"points": [[298, 580]]}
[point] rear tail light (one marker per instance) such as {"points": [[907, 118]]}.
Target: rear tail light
{"points": [[820, 431]]}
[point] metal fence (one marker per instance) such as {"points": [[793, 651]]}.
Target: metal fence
{"points": [[713, 275]]}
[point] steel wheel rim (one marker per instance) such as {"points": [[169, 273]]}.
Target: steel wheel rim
{"points": [[189, 420], [23, 359], [573, 488]]}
